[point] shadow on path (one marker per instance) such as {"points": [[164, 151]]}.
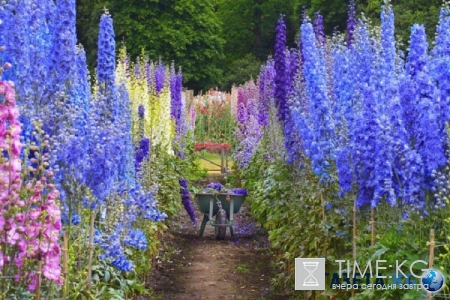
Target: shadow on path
{"points": [[194, 267]]}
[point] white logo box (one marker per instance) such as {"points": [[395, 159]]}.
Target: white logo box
{"points": [[310, 274]]}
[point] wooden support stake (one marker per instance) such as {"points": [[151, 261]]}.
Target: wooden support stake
{"points": [[372, 224], [222, 160], [91, 248], [431, 259], [226, 159], [323, 220], [323, 206], [65, 250], [37, 296], [354, 238], [354, 230]]}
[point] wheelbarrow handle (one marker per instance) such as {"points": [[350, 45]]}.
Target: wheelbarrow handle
{"points": [[215, 197], [211, 207]]}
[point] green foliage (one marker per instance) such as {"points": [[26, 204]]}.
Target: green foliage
{"points": [[161, 173], [163, 170], [110, 283], [289, 203], [240, 70], [306, 219], [18, 292], [334, 13], [395, 245], [406, 13], [191, 165], [88, 18], [242, 268], [443, 254], [222, 42], [249, 26], [237, 18], [184, 31], [248, 29]]}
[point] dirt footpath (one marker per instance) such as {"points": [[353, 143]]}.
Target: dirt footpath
{"points": [[194, 267]]}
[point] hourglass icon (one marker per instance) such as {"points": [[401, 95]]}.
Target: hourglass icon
{"points": [[310, 266], [310, 274]]}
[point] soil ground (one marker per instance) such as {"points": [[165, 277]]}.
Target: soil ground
{"points": [[194, 267]]}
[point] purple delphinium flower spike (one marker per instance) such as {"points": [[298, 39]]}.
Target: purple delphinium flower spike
{"points": [[186, 200], [351, 22], [319, 29], [281, 84], [422, 112], [316, 86], [440, 67]]}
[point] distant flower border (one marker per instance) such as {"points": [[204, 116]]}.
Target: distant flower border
{"points": [[212, 147]]}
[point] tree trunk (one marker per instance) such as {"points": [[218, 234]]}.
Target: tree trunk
{"points": [[257, 30]]}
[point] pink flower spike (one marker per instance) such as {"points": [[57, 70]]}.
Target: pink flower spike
{"points": [[50, 233], [32, 249], [35, 214], [32, 229], [2, 260], [22, 245], [2, 222], [18, 260], [20, 218], [52, 270], [57, 224], [33, 278], [55, 250]]}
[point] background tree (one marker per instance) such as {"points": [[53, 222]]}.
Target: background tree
{"points": [[221, 42], [88, 17], [249, 34], [407, 13], [186, 31]]}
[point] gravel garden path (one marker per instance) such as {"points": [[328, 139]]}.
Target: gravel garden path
{"points": [[194, 267]]}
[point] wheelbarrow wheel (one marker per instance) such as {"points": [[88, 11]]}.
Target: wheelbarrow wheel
{"points": [[221, 219]]}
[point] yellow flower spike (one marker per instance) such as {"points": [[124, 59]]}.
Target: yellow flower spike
{"points": [[94, 84], [158, 124], [138, 96], [121, 69]]}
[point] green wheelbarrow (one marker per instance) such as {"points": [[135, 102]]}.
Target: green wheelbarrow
{"points": [[207, 203]]}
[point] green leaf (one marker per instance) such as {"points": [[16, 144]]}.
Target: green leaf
{"points": [[107, 276]]}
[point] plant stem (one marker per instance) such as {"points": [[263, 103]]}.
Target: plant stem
{"points": [[91, 242], [65, 266], [372, 224], [431, 258], [37, 296]]}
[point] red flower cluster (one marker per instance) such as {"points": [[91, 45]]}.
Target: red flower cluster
{"points": [[212, 147]]}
